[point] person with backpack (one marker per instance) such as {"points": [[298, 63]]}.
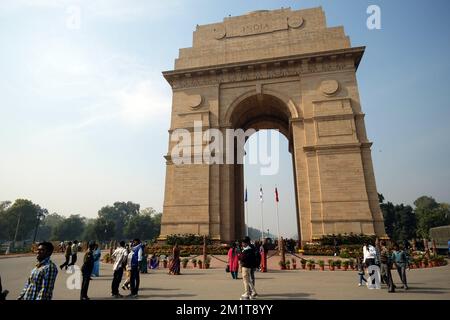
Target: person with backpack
{"points": [[247, 259], [400, 259]]}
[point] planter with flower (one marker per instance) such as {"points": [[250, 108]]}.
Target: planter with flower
{"points": [[194, 262], [424, 263], [282, 265], [303, 263], [200, 264], [331, 264], [207, 263], [294, 263], [311, 264], [351, 264], [184, 262], [321, 265], [345, 265], [337, 263]]}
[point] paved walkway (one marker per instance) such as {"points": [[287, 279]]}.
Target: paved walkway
{"points": [[431, 283]]}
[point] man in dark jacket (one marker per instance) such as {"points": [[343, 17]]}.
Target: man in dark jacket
{"points": [[248, 262], [86, 270]]}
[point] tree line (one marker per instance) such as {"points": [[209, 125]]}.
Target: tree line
{"points": [[402, 222], [125, 220], [25, 220]]}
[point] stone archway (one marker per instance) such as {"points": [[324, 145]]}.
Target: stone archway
{"points": [[279, 69]]}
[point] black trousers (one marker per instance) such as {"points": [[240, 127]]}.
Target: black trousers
{"points": [[117, 277], [74, 259], [387, 276], [85, 286], [66, 263], [134, 280]]}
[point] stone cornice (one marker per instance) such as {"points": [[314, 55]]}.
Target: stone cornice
{"points": [[282, 67]]}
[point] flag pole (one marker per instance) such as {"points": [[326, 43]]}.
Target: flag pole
{"points": [[246, 213], [278, 217], [262, 217]]}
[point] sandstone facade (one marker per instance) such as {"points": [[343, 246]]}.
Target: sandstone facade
{"points": [[285, 70]]}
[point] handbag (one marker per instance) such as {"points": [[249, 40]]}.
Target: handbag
{"points": [[227, 268]]}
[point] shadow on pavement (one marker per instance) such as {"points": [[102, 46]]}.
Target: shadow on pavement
{"points": [[284, 296]]}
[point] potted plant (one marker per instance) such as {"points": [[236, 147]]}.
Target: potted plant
{"points": [[185, 262], [310, 264], [200, 264], [351, 264], [303, 263], [165, 262], [322, 265], [345, 265], [194, 262], [288, 265], [331, 264], [207, 263], [417, 263], [424, 262], [313, 264], [282, 265], [294, 263], [337, 263]]}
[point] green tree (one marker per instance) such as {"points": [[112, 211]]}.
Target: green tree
{"points": [[103, 229], [70, 229], [120, 213], [48, 227], [142, 227], [399, 221], [23, 213], [430, 214]]}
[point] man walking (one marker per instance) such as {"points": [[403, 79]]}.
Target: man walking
{"points": [[386, 264], [120, 258], [248, 262], [401, 262], [136, 259], [41, 282], [74, 251], [67, 255], [86, 270]]}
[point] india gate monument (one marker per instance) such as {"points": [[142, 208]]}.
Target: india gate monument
{"points": [[286, 70]]}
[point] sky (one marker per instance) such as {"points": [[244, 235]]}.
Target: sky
{"points": [[84, 109]]}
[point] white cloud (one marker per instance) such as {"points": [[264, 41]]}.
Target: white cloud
{"points": [[143, 102]]}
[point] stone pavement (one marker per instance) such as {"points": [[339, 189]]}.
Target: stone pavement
{"points": [[212, 284]]}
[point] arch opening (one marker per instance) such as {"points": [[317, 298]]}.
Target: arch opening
{"points": [[265, 113]]}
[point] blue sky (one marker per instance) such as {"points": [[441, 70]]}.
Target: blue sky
{"points": [[84, 112]]}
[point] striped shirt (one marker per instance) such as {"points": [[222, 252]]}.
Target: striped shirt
{"points": [[41, 282]]}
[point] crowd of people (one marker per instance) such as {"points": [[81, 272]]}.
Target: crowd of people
{"points": [[248, 257], [243, 256], [385, 258]]}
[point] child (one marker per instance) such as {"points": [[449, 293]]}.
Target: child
{"points": [[360, 267]]}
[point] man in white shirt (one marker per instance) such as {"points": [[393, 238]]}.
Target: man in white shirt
{"points": [[120, 258]]}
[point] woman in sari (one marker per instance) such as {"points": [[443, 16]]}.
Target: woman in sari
{"points": [[233, 260], [97, 256], [175, 265]]}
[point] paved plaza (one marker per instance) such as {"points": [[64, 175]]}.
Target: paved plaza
{"points": [[214, 284]]}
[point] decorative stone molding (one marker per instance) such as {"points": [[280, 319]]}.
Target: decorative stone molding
{"points": [[329, 87], [295, 21], [295, 66]]}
